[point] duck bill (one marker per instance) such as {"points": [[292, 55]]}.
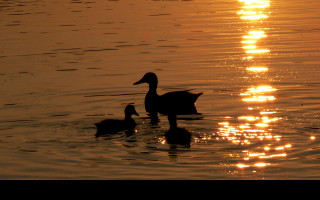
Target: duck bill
{"points": [[139, 82], [135, 113]]}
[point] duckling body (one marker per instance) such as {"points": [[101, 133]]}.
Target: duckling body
{"points": [[182, 102], [176, 135], [110, 126]]}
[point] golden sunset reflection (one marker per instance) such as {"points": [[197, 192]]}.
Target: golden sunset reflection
{"points": [[256, 126], [254, 129], [251, 38], [254, 4], [258, 94], [254, 11], [255, 35], [257, 69]]}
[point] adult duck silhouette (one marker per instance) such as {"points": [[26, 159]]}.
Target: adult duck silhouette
{"points": [[181, 102], [109, 126], [176, 135]]}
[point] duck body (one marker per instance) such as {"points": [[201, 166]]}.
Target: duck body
{"points": [[111, 126], [181, 102], [176, 135]]}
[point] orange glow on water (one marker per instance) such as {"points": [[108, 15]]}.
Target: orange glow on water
{"points": [[257, 94], [255, 4], [254, 16], [261, 89], [249, 47], [254, 11], [257, 69], [258, 51], [256, 126], [242, 165], [254, 35], [261, 164]]}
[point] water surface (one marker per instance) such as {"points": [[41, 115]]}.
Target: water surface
{"points": [[68, 64]]}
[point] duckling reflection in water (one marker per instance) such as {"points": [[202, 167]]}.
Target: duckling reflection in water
{"points": [[180, 101], [109, 126], [176, 135]]}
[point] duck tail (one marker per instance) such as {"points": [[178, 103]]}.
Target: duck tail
{"points": [[196, 96]]}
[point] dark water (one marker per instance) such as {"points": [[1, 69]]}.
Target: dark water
{"points": [[66, 65]]}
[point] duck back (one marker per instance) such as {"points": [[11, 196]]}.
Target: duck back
{"points": [[182, 102]]}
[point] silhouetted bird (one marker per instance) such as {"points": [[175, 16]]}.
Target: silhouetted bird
{"points": [[176, 135], [109, 126], [181, 102]]}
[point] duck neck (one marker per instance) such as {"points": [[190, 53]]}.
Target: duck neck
{"points": [[153, 88], [172, 121], [127, 117], [173, 126]]}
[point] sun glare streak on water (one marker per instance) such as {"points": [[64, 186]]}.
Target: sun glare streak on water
{"points": [[255, 128], [257, 69], [257, 94]]}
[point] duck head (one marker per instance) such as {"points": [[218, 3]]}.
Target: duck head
{"points": [[150, 78], [130, 110]]}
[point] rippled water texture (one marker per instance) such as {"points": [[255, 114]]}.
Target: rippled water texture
{"points": [[65, 65]]}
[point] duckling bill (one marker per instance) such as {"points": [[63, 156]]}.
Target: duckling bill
{"points": [[110, 126], [176, 135], [182, 102]]}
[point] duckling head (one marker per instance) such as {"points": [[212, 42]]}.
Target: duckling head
{"points": [[150, 78], [130, 110]]}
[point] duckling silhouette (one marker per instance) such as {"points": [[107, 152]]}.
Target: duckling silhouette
{"points": [[176, 135], [109, 126], [182, 102]]}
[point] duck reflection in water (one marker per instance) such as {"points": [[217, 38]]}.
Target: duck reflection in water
{"points": [[176, 135], [110, 126], [180, 101]]}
